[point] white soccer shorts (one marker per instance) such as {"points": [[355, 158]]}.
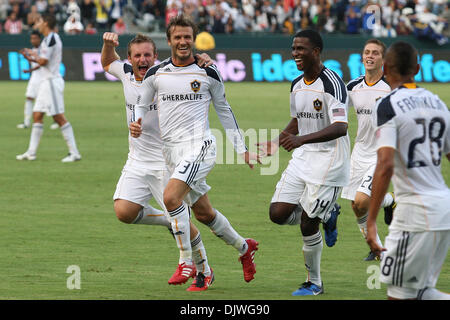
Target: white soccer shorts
{"points": [[316, 200], [50, 97], [33, 87], [361, 176], [192, 165], [138, 184], [413, 261]]}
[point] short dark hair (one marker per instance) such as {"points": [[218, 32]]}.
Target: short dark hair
{"points": [[377, 42], [181, 21], [403, 57], [313, 36], [50, 19], [140, 38], [35, 33]]}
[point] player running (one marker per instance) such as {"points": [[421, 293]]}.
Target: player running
{"points": [[413, 133], [183, 92], [309, 187], [363, 93], [144, 175]]}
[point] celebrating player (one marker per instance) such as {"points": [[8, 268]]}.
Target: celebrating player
{"points": [[307, 191], [50, 97], [144, 175], [183, 92], [413, 132], [363, 93]]}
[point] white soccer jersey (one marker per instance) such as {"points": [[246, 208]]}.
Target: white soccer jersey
{"points": [[416, 123], [316, 106], [36, 74], [183, 95], [363, 98], [148, 147], [51, 50]]}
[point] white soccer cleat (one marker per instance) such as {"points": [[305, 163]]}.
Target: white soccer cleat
{"points": [[54, 126], [22, 126], [26, 156], [71, 158]]}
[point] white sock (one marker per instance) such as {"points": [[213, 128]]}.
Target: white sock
{"points": [[69, 137], [222, 228], [295, 216], [312, 251], [432, 294], [387, 200], [36, 133], [199, 256], [28, 112], [179, 219], [362, 224], [151, 216]]}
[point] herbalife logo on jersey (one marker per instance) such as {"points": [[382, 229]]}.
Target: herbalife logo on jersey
{"points": [[182, 97]]}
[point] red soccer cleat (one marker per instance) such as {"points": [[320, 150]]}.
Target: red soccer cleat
{"points": [[183, 273], [248, 265], [201, 282]]}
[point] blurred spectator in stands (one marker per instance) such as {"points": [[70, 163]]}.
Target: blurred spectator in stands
{"points": [[438, 6], [203, 19], [18, 8], [296, 14], [330, 25], [101, 18], [13, 25], [32, 16], [288, 26], [281, 14], [73, 25], [268, 10], [171, 11], [302, 19], [352, 22], [120, 27], [404, 26], [4, 6], [420, 5], [320, 19], [87, 11], [90, 29], [219, 19], [243, 22], [353, 4], [370, 14], [248, 6], [445, 16], [152, 15], [427, 25], [41, 6], [190, 9], [115, 11], [260, 22], [73, 9], [388, 13], [390, 32], [340, 7]]}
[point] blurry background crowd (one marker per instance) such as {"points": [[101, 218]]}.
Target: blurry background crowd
{"points": [[378, 18]]}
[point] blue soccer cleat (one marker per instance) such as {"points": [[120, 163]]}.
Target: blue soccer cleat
{"points": [[308, 289], [330, 227]]}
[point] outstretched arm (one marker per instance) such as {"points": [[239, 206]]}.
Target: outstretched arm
{"points": [[109, 54], [268, 148]]}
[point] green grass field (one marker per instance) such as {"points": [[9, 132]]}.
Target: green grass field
{"points": [[55, 215]]}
